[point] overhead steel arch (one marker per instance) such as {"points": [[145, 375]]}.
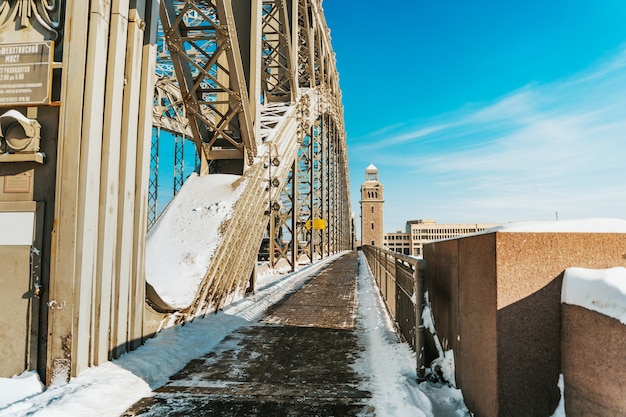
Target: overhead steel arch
{"points": [[251, 85]]}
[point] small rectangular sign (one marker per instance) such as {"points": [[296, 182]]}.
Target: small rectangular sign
{"points": [[20, 183], [25, 73], [318, 224], [17, 228]]}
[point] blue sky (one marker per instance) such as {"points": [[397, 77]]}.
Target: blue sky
{"points": [[485, 111]]}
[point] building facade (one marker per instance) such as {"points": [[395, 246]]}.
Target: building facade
{"points": [[372, 202], [399, 242], [424, 231], [420, 232]]}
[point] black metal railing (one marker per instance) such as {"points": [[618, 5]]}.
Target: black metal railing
{"points": [[400, 279]]}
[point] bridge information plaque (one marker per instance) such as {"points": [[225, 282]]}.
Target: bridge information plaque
{"points": [[25, 73]]}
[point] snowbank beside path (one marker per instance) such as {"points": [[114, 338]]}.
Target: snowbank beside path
{"points": [[19, 387], [109, 389], [392, 365], [180, 245]]}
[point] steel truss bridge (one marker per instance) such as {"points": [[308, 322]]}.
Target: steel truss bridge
{"points": [[255, 88], [251, 85]]}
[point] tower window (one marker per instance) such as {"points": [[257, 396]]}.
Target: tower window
{"points": [[372, 209], [372, 225]]}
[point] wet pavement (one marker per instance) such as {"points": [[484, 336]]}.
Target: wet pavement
{"points": [[294, 362]]}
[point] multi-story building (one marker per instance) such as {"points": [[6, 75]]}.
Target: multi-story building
{"points": [[423, 231], [398, 242], [372, 202], [417, 233]]}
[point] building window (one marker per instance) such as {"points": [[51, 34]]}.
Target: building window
{"points": [[372, 225], [372, 209]]}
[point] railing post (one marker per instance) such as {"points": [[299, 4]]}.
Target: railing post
{"points": [[418, 279], [397, 291]]}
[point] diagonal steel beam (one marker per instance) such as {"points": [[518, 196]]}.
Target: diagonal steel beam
{"points": [[204, 49], [277, 68]]}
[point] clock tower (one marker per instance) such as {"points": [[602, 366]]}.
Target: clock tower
{"points": [[372, 208]]}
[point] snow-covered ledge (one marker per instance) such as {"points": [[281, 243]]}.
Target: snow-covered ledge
{"points": [[595, 225], [601, 290], [593, 338], [181, 244], [503, 287]]}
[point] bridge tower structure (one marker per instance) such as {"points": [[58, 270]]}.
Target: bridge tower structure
{"points": [[87, 84], [372, 208]]}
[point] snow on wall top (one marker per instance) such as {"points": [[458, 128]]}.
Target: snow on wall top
{"points": [[180, 245], [599, 225], [601, 290]]}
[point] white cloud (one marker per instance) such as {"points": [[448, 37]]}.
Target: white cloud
{"points": [[558, 146], [382, 139]]}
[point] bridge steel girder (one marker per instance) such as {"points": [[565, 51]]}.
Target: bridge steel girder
{"points": [[320, 192], [204, 49], [274, 85], [153, 185], [277, 62], [245, 81]]}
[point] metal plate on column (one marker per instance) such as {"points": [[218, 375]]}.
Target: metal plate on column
{"points": [[25, 73]]}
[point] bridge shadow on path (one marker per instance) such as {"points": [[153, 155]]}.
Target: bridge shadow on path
{"points": [[294, 362]]}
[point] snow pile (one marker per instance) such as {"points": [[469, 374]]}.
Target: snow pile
{"points": [[19, 387], [392, 365], [560, 409], [600, 290], [598, 225], [180, 245], [109, 389], [443, 367]]}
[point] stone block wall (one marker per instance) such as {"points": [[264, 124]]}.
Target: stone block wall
{"points": [[496, 302], [593, 350]]}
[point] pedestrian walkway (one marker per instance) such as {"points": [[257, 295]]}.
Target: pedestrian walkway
{"points": [[294, 362]]}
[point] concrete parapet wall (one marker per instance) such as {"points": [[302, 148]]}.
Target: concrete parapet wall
{"points": [[593, 361], [496, 302]]}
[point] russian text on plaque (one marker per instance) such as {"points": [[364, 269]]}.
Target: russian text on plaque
{"points": [[25, 73]]}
